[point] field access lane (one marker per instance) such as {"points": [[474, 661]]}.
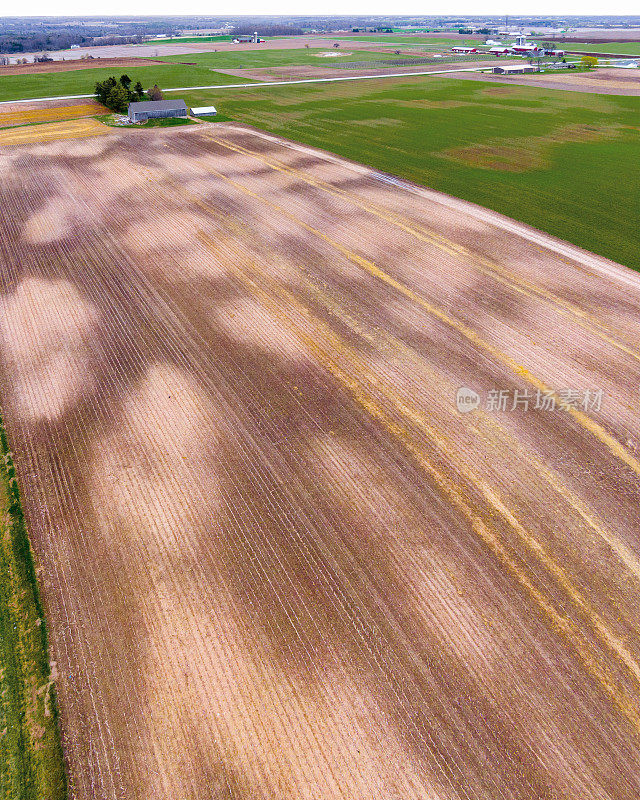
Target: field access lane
{"points": [[278, 560]]}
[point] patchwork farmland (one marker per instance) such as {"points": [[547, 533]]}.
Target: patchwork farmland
{"points": [[276, 559]]}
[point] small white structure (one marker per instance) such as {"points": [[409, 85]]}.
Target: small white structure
{"points": [[624, 64], [204, 111]]}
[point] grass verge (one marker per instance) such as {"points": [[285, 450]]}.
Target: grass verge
{"points": [[31, 761]]}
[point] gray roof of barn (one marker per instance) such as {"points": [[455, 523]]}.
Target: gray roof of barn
{"points": [[157, 105]]}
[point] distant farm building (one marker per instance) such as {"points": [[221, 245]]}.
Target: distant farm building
{"points": [[156, 109], [518, 69], [624, 64], [204, 111], [252, 38]]}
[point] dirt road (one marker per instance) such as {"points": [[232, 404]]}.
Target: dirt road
{"points": [[277, 560]]}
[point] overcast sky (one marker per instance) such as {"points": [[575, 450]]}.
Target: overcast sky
{"points": [[161, 7]]}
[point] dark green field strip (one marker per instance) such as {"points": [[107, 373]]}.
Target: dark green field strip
{"points": [[83, 81], [189, 40], [391, 39], [564, 162], [623, 48], [31, 762]]}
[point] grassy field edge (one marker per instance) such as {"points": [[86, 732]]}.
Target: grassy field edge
{"points": [[32, 764]]}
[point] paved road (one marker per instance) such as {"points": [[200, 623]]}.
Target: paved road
{"points": [[258, 85]]}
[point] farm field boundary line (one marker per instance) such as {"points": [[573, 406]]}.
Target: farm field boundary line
{"points": [[583, 419], [601, 266], [481, 263]]}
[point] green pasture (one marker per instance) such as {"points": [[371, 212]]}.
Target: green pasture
{"points": [[189, 40], [276, 58], [623, 48], [391, 39], [83, 81], [192, 69]]}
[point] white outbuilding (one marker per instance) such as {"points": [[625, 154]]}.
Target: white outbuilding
{"points": [[204, 111]]}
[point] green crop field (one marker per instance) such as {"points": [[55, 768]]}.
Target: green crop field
{"points": [[189, 40], [391, 39], [83, 81], [623, 48], [276, 58], [564, 162], [174, 72], [31, 763]]}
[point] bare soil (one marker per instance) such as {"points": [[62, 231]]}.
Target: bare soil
{"points": [[323, 71], [277, 561], [72, 64], [597, 81], [12, 114]]}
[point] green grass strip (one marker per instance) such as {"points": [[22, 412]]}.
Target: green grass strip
{"points": [[31, 760]]}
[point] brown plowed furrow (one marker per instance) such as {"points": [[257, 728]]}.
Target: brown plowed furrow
{"points": [[277, 560]]}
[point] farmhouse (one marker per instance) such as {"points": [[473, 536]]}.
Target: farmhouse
{"points": [[156, 109], [517, 69]]}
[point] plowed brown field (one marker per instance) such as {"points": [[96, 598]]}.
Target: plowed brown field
{"points": [[52, 131], [26, 116], [278, 562]]}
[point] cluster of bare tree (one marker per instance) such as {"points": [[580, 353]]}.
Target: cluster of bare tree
{"points": [[117, 94]]}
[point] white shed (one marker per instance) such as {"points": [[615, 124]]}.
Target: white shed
{"points": [[204, 111]]}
